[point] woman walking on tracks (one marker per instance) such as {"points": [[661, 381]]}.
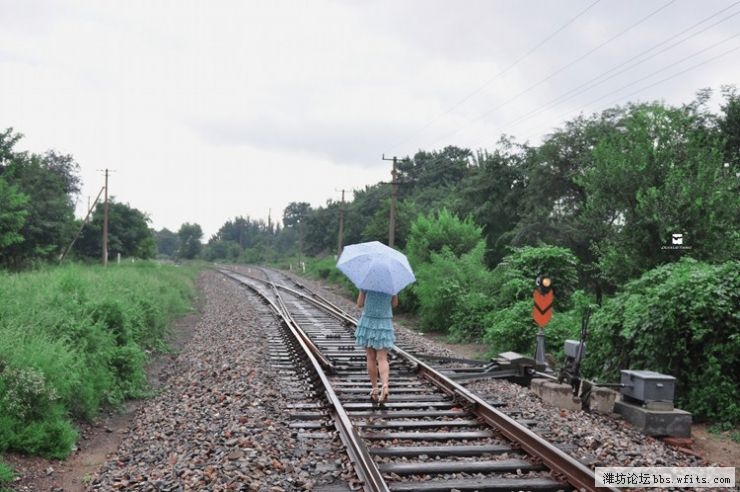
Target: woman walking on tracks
{"points": [[375, 333]]}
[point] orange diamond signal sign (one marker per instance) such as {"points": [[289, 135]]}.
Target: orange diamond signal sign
{"points": [[543, 296]]}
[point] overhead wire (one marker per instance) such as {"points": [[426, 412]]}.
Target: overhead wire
{"points": [[658, 82], [589, 85], [495, 77], [561, 69]]}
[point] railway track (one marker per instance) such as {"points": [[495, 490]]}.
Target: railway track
{"points": [[431, 435]]}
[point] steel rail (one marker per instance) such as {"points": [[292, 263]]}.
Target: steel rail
{"points": [[560, 463], [284, 312], [360, 456]]}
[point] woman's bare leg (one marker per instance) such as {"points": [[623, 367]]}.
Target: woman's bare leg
{"points": [[385, 372], [372, 368]]}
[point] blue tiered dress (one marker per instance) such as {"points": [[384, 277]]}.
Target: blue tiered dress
{"points": [[375, 327]]}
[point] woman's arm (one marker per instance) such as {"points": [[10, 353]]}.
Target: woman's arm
{"points": [[361, 299], [394, 301]]}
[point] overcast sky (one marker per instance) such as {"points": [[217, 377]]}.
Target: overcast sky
{"points": [[209, 110]]}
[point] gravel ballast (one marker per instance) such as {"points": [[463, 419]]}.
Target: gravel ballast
{"points": [[220, 420]]}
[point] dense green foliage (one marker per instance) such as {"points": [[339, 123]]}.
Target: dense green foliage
{"points": [[596, 205], [680, 319], [38, 190], [190, 245], [128, 234], [659, 176], [447, 256], [509, 324], [75, 338], [6, 474], [37, 223]]}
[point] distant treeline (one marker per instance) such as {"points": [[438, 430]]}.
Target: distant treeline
{"points": [[37, 204], [614, 188]]}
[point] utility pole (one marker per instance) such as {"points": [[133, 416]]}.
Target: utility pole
{"points": [[105, 222], [300, 243], [105, 218], [394, 194], [341, 226]]}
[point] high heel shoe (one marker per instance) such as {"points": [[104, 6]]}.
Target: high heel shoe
{"points": [[383, 393]]}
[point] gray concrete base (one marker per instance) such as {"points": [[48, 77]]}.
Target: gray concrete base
{"points": [[602, 400], [674, 422], [558, 395]]}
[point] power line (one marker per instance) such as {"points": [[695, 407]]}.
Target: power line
{"points": [[642, 89], [561, 69], [499, 74], [589, 86]]}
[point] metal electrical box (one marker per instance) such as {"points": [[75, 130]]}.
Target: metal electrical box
{"points": [[648, 386], [570, 347]]}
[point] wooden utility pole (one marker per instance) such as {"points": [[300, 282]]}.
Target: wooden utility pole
{"points": [[394, 194], [341, 226], [105, 222]]}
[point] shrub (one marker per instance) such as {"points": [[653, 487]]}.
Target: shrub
{"points": [[73, 339], [679, 319], [6, 473], [510, 327], [516, 274], [468, 321], [451, 292], [452, 282]]}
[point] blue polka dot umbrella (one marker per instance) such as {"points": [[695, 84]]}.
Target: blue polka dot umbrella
{"points": [[375, 266]]}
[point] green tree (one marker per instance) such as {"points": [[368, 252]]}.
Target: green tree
{"points": [[222, 250], [509, 325], [729, 125], [295, 212], [378, 227], [493, 195], [516, 274], [12, 215], [190, 241], [8, 139], [438, 169], [446, 254], [436, 231], [167, 243], [321, 230], [679, 319], [49, 182], [661, 174], [128, 233], [363, 208], [243, 231]]}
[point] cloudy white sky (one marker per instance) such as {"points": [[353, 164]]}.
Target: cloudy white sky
{"points": [[209, 110]]}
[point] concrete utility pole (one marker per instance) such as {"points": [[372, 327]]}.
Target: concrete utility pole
{"points": [[300, 241], [105, 222], [341, 226], [394, 194]]}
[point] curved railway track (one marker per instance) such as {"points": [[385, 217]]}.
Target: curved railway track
{"points": [[431, 435]]}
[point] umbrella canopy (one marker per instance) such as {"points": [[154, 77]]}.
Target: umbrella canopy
{"points": [[375, 266]]}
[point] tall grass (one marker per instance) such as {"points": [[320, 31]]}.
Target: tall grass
{"points": [[76, 338]]}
